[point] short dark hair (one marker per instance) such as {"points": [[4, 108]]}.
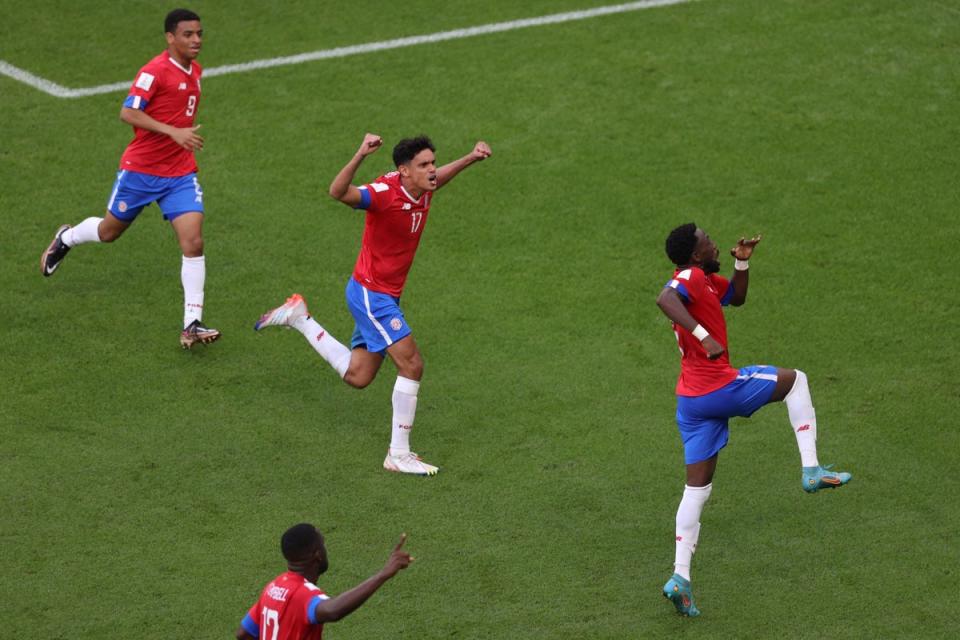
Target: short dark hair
{"points": [[177, 16], [299, 541], [407, 148], [681, 242]]}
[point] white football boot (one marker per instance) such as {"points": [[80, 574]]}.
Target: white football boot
{"points": [[285, 315], [408, 463]]}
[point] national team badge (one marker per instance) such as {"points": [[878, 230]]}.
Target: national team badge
{"points": [[395, 324], [122, 206]]}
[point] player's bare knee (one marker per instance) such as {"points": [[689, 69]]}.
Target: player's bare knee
{"points": [[411, 368], [358, 379], [192, 247], [108, 235]]}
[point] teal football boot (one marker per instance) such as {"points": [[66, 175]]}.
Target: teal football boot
{"points": [[678, 591], [816, 478]]}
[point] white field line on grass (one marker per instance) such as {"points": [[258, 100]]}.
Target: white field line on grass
{"points": [[60, 91]]}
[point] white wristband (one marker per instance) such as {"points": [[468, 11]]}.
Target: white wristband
{"points": [[741, 265], [699, 333]]}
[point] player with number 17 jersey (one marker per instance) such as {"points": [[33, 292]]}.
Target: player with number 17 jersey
{"points": [[286, 610], [397, 205], [391, 234]]}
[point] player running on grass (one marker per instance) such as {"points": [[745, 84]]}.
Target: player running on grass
{"points": [[292, 607], [158, 166], [710, 391], [397, 205]]}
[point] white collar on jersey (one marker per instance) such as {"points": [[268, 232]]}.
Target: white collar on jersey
{"points": [[178, 66], [412, 199]]}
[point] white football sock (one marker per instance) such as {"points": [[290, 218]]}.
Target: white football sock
{"points": [[803, 418], [404, 409], [688, 526], [337, 355], [86, 231], [193, 273]]}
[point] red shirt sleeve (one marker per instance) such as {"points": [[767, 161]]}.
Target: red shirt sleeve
{"points": [[144, 87]]}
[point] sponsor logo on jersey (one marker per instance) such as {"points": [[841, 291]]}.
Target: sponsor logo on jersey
{"points": [[183, 86], [396, 324], [407, 206]]}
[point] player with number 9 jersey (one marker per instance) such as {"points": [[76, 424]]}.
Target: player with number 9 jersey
{"points": [[158, 166], [169, 93]]}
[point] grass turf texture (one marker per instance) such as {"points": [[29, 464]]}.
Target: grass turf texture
{"points": [[144, 489]]}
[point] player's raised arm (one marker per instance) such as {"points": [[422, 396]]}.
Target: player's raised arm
{"points": [[342, 188], [671, 304], [349, 601], [446, 173], [740, 281]]}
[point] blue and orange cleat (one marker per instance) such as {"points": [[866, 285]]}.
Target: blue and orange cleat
{"points": [[678, 591], [285, 315], [821, 477]]}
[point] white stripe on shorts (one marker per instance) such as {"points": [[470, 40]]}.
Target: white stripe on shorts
{"points": [[366, 303], [760, 376], [116, 188]]}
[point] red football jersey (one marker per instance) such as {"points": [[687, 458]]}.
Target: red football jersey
{"points": [[394, 224], [704, 296], [170, 94], [285, 609]]}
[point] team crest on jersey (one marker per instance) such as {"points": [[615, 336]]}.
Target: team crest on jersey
{"points": [[122, 206], [396, 324]]}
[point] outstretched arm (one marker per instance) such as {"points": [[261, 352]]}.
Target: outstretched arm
{"points": [[740, 280], [349, 601], [186, 137], [341, 188], [446, 173], [672, 306]]}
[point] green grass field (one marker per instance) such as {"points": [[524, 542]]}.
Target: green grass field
{"points": [[143, 489]]}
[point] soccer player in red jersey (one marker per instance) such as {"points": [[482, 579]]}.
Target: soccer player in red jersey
{"points": [[710, 391], [292, 607], [158, 166], [397, 206]]}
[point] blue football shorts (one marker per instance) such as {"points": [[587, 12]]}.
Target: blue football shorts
{"points": [[702, 420], [132, 191], [379, 320]]}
